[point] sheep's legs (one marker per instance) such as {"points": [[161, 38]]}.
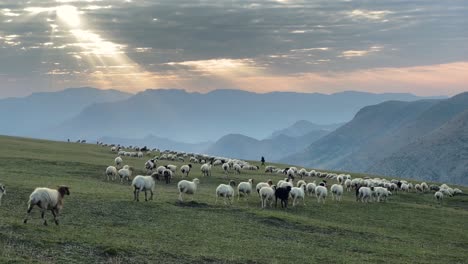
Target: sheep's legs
{"points": [[43, 216], [151, 197], [55, 217], [180, 197], [136, 195], [28, 213]]}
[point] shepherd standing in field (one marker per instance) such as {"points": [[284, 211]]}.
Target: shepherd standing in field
{"points": [[263, 161]]}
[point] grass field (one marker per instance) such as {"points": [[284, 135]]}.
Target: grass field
{"points": [[101, 224]]}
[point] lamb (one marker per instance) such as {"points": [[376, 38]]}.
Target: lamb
{"points": [[298, 193], [245, 188], [118, 161], [185, 169], [111, 173], [337, 191], [226, 191], [140, 154], [282, 193], [187, 187], [206, 169], [310, 187], [47, 199], [321, 192], [144, 183], [260, 185], [125, 173], [439, 196], [269, 169], [2, 192]]}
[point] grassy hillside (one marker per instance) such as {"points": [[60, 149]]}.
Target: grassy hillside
{"points": [[101, 224]]}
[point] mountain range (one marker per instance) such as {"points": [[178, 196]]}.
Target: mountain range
{"points": [[196, 117], [425, 139]]}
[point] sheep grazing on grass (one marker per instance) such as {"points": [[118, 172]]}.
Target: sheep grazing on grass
{"points": [[381, 193], [266, 195], [347, 184], [282, 193], [439, 196], [365, 194], [244, 188], [225, 167], [337, 192], [150, 165], [118, 161], [300, 183], [226, 191], [424, 187], [2, 192], [298, 193], [111, 173], [185, 169], [143, 184], [269, 169], [303, 172], [187, 187], [206, 169], [263, 184], [167, 174], [310, 187], [173, 168], [321, 192], [125, 173], [47, 199], [237, 168]]}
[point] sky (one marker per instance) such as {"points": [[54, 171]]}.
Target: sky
{"points": [[325, 46]]}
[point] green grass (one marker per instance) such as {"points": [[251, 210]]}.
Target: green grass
{"points": [[101, 224]]}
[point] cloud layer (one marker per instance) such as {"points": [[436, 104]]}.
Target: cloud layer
{"points": [[309, 46]]}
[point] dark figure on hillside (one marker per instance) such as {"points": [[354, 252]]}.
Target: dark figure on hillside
{"points": [[68, 140], [263, 161]]}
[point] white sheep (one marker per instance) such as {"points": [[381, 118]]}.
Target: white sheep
{"points": [[310, 187], [226, 191], [118, 161], [47, 199], [298, 193], [111, 173], [266, 195], [143, 184], [260, 185], [300, 183], [439, 196], [237, 168], [337, 191], [382, 193], [347, 184], [125, 173], [225, 167], [185, 169], [2, 192], [173, 168], [365, 194], [187, 187], [321, 193], [206, 169], [424, 187], [245, 188]]}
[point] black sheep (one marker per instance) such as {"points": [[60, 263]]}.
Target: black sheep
{"points": [[283, 194]]}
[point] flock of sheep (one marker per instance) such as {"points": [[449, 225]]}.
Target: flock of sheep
{"points": [[365, 189]]}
